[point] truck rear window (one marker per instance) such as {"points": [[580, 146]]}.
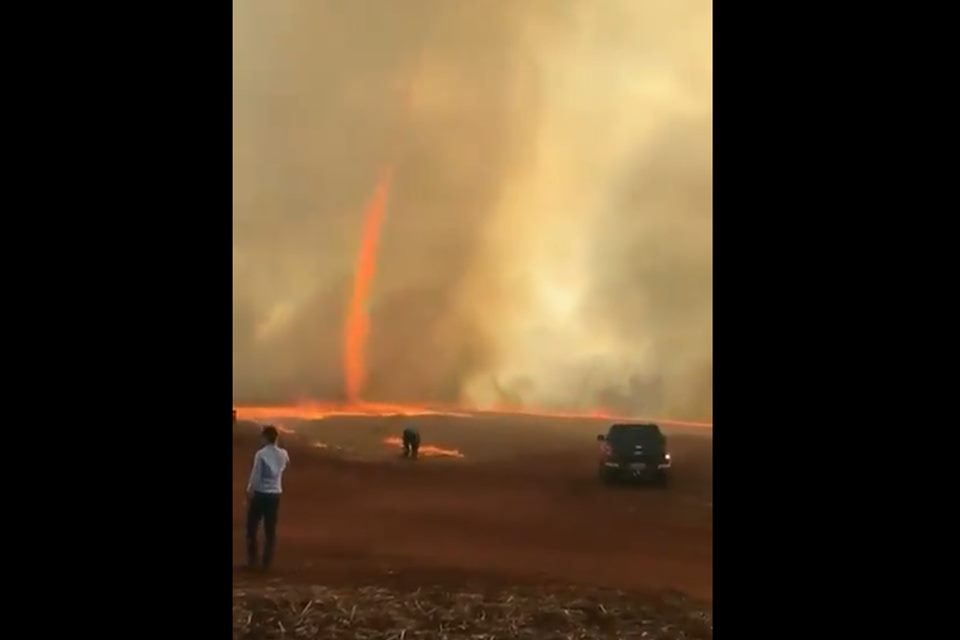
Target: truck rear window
{"points": [[628, 434]]}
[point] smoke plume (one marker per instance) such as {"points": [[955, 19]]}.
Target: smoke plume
{"points": [[547, 236]]}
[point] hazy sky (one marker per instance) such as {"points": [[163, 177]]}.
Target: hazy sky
{"points": [[548, 234]]}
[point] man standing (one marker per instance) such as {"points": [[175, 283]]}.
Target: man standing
{"points": [[263, 495]]}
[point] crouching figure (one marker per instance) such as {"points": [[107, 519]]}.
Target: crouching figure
{"points": [[411, 442]]}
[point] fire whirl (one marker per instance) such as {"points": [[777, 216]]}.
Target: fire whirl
{"points": [[356, 331], [357, 326]]}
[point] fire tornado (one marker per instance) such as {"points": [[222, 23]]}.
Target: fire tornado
{"points": [[357, 325], [356, 331]]}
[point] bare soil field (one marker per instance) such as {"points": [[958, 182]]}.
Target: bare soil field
{"points": [[522, 506]]}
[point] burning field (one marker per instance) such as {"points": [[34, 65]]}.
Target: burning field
{"points": [[520, 506], [448, 206], [490, 221], [354, 349]]}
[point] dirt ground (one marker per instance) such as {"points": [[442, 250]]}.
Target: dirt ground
{"points": [[523, 505]]}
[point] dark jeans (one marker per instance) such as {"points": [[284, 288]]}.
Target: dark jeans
{"points": [[411, 444], [263, 506]]}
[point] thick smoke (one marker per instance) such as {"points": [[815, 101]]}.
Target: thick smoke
{"points": [[548, 235]]}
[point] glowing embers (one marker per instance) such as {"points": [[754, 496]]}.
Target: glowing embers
{"points": [[426, 450]]}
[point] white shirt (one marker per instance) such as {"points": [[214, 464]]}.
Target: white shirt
{"points": [[268, 466]]}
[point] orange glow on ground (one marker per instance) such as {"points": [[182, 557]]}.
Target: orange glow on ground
{"points": [[426, 450], [320, 411]]}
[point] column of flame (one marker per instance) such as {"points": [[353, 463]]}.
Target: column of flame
{"points": [[357, 322]]}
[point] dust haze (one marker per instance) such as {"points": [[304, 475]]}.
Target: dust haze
{"points": [[548, 239]]}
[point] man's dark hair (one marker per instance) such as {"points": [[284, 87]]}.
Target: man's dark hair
{"points": [[270, 433]]}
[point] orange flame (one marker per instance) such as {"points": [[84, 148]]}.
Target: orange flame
{"points": [[357, 322], [320, 411], [426, 450], [596, 414]]}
